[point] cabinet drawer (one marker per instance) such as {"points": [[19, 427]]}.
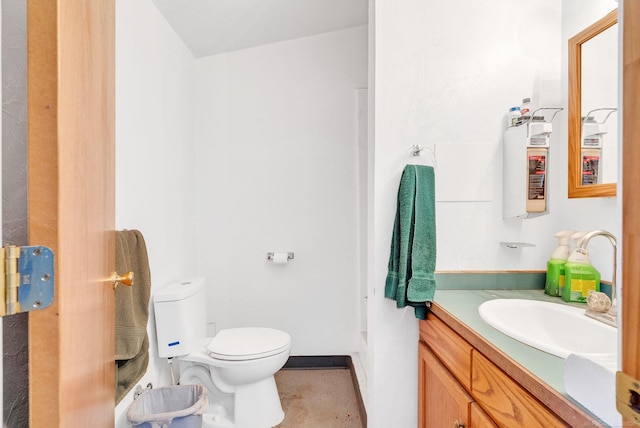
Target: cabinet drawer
{"points": [[451, 349], [504, 400]]}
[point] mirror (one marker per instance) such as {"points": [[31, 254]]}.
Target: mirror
{"points": [[593, 102]]}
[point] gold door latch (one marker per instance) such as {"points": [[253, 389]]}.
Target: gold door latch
{"points": [[628, 397], [27, 279], [126, 279]]}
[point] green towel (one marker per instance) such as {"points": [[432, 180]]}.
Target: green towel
{"points": [[410, 280], [132, 311]]}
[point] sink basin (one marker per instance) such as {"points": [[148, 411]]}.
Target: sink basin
{"points": [[550, 327]]}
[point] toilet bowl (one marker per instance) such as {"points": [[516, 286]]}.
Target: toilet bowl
{"points": [[236, 366], [246, 373]]}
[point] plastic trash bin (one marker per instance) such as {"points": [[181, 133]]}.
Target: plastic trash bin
{"points": [[178, 406]]}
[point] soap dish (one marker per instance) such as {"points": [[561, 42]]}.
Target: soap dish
{"points": [[517, 244]]}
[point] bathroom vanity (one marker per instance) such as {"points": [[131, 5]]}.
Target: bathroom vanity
{"points": [[471, 375]]}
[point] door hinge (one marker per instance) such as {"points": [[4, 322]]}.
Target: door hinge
{"points": [[628, 397], [27, 276]]}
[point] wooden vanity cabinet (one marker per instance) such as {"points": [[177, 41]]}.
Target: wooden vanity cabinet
{"points": [[504, 399], [479, 419], [460, 387], [442, 400], [445, 380]]}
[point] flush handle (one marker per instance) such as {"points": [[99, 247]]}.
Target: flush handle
{"points": [[126, 279]]}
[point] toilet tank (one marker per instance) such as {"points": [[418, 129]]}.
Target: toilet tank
{"points": [[180, 312]]}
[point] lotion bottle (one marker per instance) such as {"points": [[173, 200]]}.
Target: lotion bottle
{"points": [[513, 116], [555, 266], [580, 276]]}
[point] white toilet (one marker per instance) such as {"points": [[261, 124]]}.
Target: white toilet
{"points": [[236, 366]]}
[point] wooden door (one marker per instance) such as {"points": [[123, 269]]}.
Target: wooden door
{"points": [[71, 51], [630, 184], [442, 401]]}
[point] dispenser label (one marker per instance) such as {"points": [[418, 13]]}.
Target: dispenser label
{"points": [[537, 173], [583, 286], [590, 164], [579, 289]]}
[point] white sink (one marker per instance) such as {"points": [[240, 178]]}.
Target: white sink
{"points": [[550, 327]]}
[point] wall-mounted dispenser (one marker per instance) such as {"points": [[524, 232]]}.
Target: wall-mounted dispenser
{"points": [[593, 133], [525, 161]]}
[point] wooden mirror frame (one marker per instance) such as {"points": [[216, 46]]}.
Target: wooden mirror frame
{"points": [[576, 188]]}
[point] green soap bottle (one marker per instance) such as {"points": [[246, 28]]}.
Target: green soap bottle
{"points": [[555, 266], [580, 278], [555, 277]]}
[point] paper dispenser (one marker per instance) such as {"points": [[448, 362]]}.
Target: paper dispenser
{"points": [[525, 165]]}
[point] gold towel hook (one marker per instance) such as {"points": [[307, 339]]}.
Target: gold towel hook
{"points": [[126, 279]]}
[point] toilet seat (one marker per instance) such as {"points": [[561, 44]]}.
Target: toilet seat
{"points": [[248, 343]]}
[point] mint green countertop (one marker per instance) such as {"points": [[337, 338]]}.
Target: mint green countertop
{"points": [[463, 305]]}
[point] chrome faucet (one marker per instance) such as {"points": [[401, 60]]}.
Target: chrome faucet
{"points": [[609, 317]]}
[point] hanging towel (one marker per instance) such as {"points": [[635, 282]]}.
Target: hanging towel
{"points": [[410, 280], [132, 311]]}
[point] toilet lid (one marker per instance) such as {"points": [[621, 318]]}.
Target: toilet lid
{"points": [[247, 343]]}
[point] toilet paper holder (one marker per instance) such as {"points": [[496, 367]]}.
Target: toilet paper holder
{"points": [[270, 256]]}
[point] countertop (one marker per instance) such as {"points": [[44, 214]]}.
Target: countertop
{"points": [[543, 374]]}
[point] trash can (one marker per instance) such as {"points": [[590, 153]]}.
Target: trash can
{"points": [[178, 406]]}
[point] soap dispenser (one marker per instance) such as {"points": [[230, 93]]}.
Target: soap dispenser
{"points": [[580, 276], [555, 266]]}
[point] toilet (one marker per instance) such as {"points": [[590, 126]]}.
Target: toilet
{"points": [[236, 366]]}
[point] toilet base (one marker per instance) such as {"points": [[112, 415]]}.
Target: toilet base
{"points": [[255, 405]]}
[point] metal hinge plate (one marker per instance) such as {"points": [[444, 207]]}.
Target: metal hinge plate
{"points": [[628, 397], [27, 273]]}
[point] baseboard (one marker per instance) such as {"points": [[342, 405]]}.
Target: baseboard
{"points": [[318, 362], [327, 362], [361, 408]]}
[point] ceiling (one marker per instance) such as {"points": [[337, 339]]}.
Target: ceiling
{"points": [[210, 27]]}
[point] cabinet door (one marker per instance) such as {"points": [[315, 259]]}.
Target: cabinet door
{"points": [[451, 349], [442, 402], [505, 401], [479, 419]]}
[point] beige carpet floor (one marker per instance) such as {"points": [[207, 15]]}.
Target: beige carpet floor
{"points": [[318, 399]]}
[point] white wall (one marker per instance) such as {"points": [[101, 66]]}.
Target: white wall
{"points": [[446, 73], [276, 156], [277, 171], [590, 213], [155, 152]]}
